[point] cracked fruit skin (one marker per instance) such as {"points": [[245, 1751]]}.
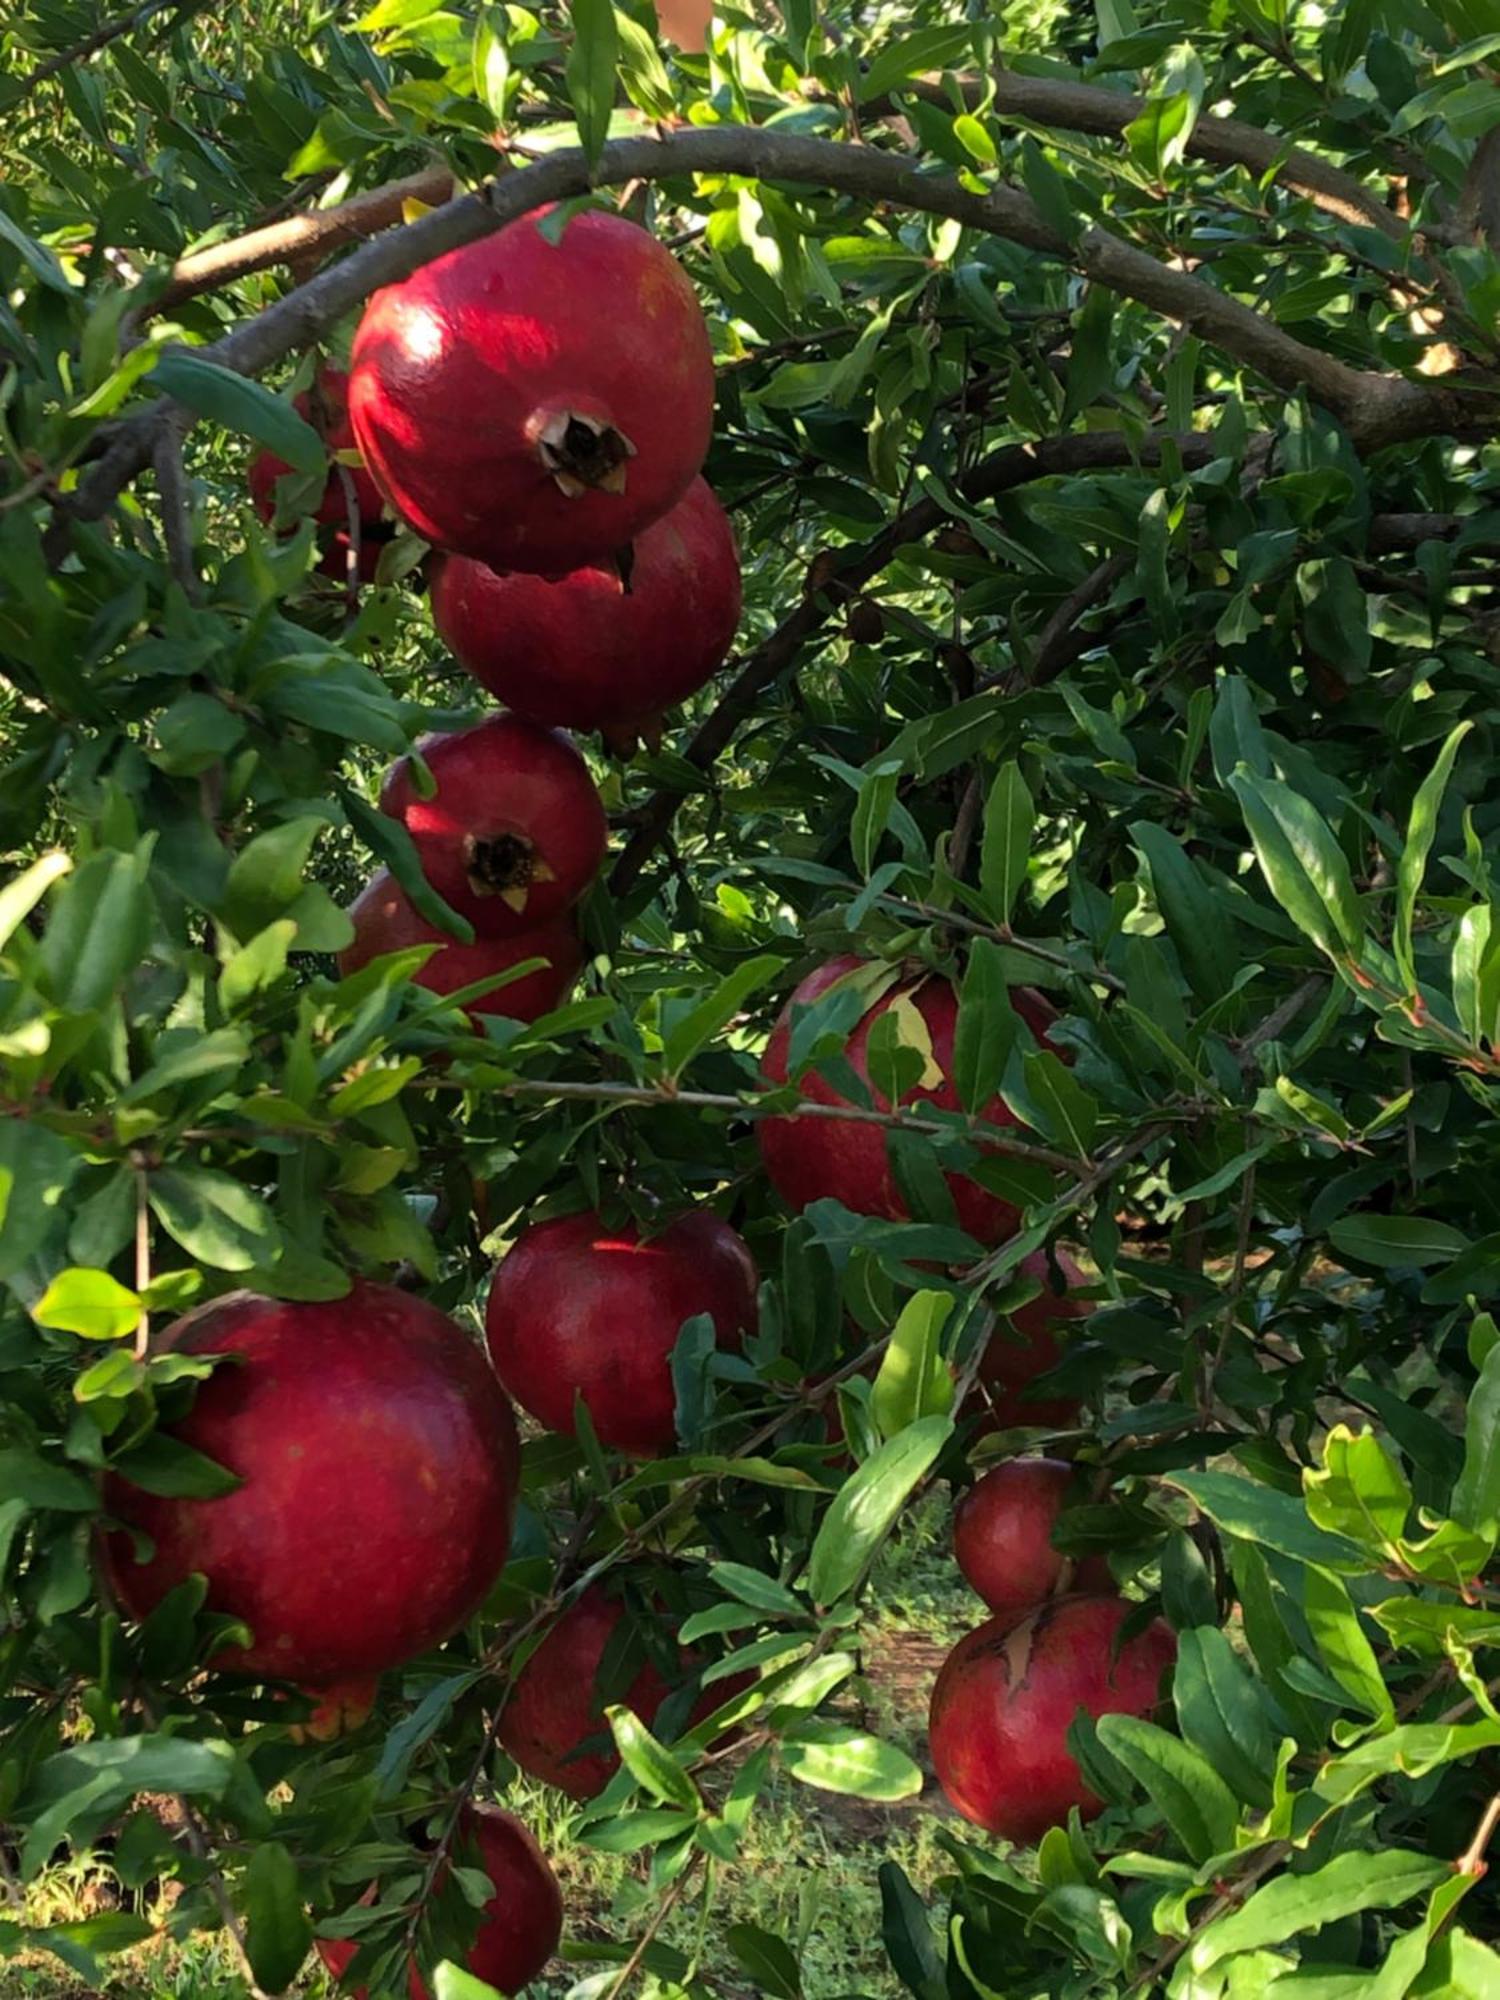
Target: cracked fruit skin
{"points": [[586, 650], [536, 405], [521, 1924], [577, 1308], [1006, 1696], [809, 1159], [1002, 1535], [378, 1460], [338, 434], [1029, 1347], [384, 921], [514, 831]]}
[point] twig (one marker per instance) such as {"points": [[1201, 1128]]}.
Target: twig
{"points": [[90, 45], [176, 510], [1059, 645], [1472, 1861], [964, 824], [142, 1260], [659, 1916]]}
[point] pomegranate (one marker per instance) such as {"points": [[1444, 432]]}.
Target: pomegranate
{"points": [[1002, 1535], [1005, 1699], [593, 650], [1017, 1354], [555, 1706], [327, 410], [514, 831], [384, 921], [536, 404], [379, 1463], [810, 1158], [520, 1925], [580, 1309]]}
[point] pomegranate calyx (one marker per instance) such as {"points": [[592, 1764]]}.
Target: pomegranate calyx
{"points": [[584, 454], [504, 865]]}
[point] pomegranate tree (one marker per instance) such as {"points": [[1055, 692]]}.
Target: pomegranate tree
{"points": [[535, 402]]}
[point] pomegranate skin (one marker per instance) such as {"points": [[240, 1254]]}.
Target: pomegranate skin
{"points": [[585, 651], [379, 1460], [1005, 1699], [1002, 1535], [514, 832], [533, 404], [807, 1159], [576, 1308], [384, 921], [1013, 1360], [521, 1924], [338, 434]]}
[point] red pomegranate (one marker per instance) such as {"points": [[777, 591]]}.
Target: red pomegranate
{"points": [[1002, 1535], [555, 1705], [536, 404], [1027, 1347], [514, 831], [379, 1463], [327, 410], [580, 1309], [520, 1925], [1006, 1697], [592, 650], [384, 921], [810, 1158]]}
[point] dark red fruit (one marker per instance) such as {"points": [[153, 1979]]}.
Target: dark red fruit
{"points": [[808, 1159], [536, 404], [384, 921], [379, 1463], [579, 1309], [1006, 1697], [593, 650], [555, 1704], [521, 1923], [333, 425], [1017, 1354], [514, 832], [1002, 1535]]}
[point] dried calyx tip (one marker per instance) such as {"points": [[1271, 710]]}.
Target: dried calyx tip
{"points": [[506, 865], [584, 454]]}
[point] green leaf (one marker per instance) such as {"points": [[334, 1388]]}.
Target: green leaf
{"points": [[1053, 194], [90, 1303], [38, 1482], [1193, 914], [216, 1219], [1009, 818], [866, 1506], [760, 1592], [451, 1982], [914, 1380], [256, 965], [642, 70], [1062, 1107], [768, 1960], [1261, 1514], [837, 1758], [972, 135], [1342, 1644], [1351, 1882], [164, 1465], [1184, 1787], [1222, 1713], [1421, 829], [906, 1932], [278, 1935], [241, 405], [701, 1023], [97, 930], [1302, 863], [650, 1763], [1392, 1241], [1359, 1491], [492, 62], [1476, 1497], [986, 1029], [36, 1170], [21, 895], [591, 71]]}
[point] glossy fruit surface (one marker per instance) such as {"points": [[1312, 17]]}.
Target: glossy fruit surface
{"points": [[514, 831], [1028, 1346], [579, 1309], [384, 921], [536, 404], [809, 1159], [1005, 1699], [592, 650], [379, 1463], [1002, 1535], [327, 411]]}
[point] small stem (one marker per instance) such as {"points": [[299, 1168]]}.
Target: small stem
{"points": [[142, 1260], [1472, 1861], [659, 1916]]}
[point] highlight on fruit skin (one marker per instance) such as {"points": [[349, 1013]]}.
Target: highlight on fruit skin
{"points": [[536, 403], [385, 921], [514, 830], [613, 644], [577, 1308], [378, 1462], [1002, 1536], [1005, 1698]]}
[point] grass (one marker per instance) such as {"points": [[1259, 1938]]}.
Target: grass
{"points": [[808, 1867]]}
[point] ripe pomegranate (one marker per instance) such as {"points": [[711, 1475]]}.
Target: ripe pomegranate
{"points": [[520, 1925], [1002, 1535], [514, 831], [810, 1158], [327, 410], [1005, 1699], [1017, 1354], [580, 1309], [609, 646], [536, 404], [384, 921], [379, 1463], [555, 1705]]}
